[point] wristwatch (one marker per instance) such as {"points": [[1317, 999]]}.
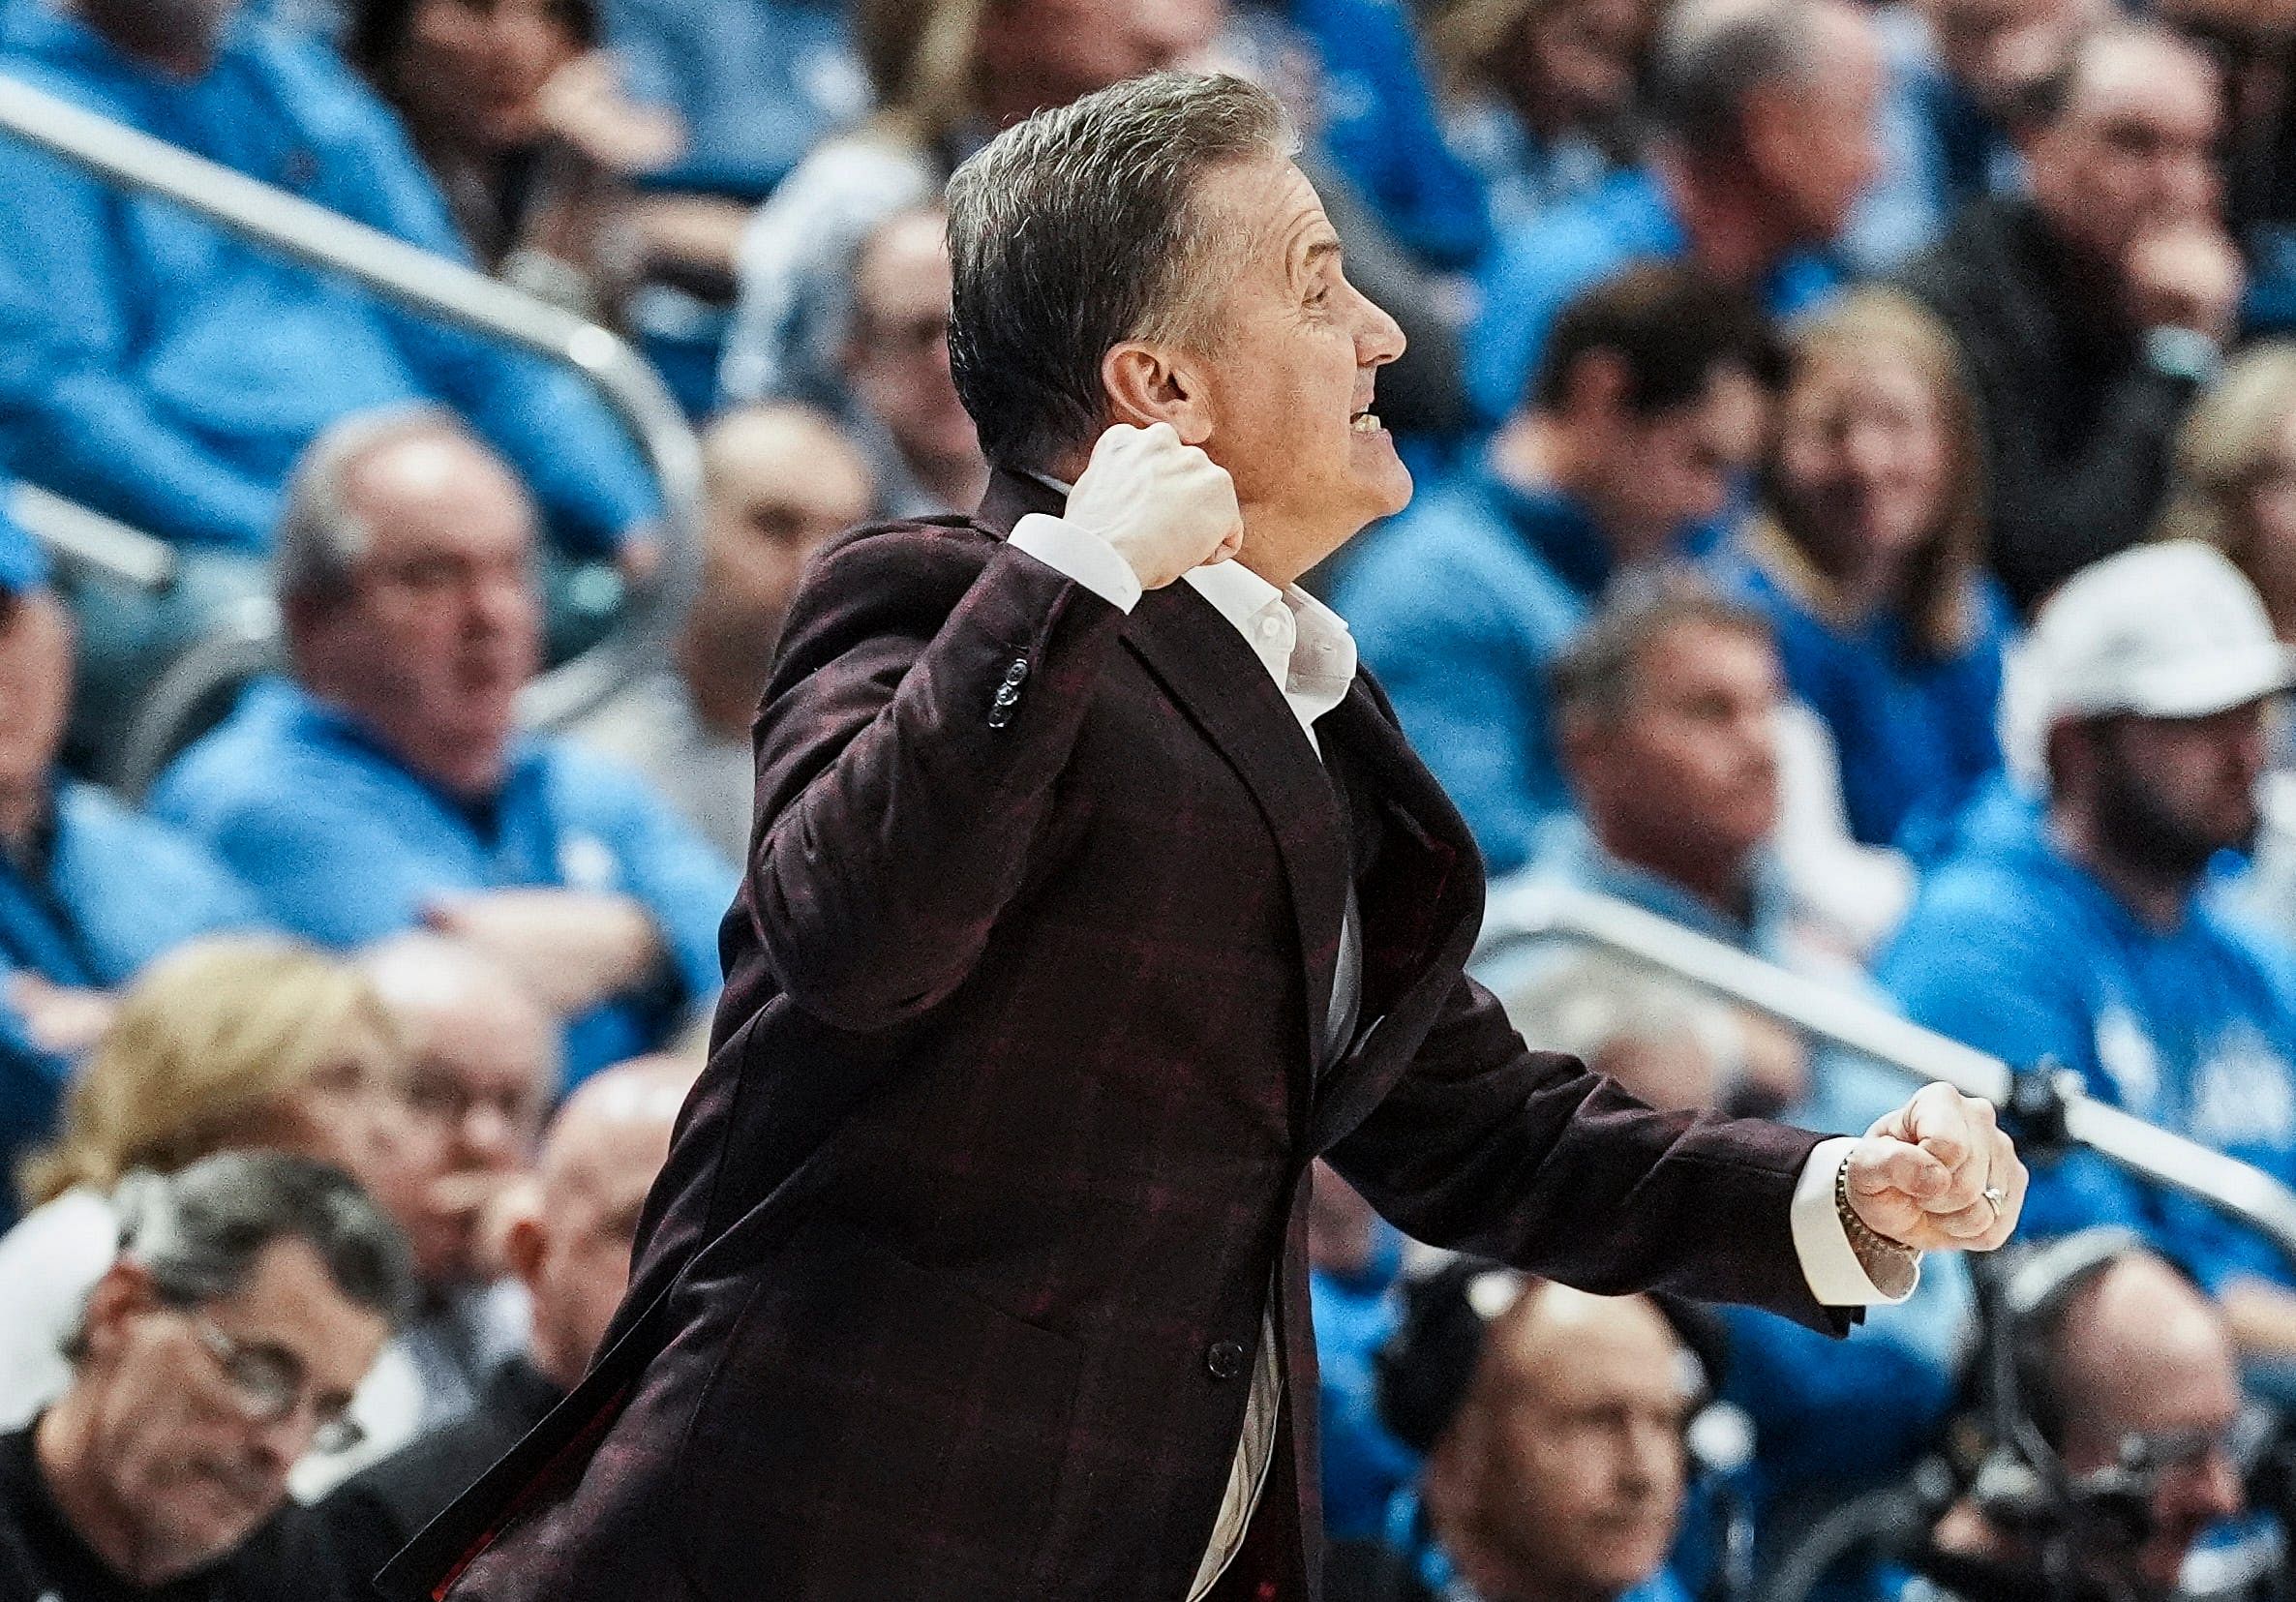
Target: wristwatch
{"points": [[1874, 1249]]}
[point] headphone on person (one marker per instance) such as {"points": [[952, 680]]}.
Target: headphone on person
{"points": [[1424, 1369], [2022, 1483]]}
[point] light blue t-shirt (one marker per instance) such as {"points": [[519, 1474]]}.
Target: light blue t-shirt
{"points": [[346, 845], [2015, 949], [168, 374]]}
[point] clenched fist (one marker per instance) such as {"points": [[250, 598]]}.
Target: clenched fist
{"points": [[1936, 1174], [1166, 507]]}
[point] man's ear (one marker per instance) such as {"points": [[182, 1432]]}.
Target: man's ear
{"points": [[1151, 382], [525, 1238], [1594, 389], [124, 1291]]}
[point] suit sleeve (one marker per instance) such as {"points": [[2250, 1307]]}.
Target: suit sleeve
{"points": [[928, 694], [1488, 1147]]}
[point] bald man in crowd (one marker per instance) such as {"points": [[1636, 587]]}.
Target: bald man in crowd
{"points": [[778, 481], [2128, 1373], [567, 1241], [1556, 1465]]}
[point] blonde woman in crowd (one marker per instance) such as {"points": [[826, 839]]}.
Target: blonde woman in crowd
{"points": [[1867, 560], [2234, 487], [2235, 476], [229, 1042]]}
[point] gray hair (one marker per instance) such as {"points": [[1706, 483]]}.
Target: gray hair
{"points": [[1594, 676], [1711, 59], [197, 1232], [320, 541], [1076, 229]]}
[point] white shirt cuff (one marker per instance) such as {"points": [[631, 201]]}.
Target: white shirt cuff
{"points": [[1828, 1262], [1086, 558]]}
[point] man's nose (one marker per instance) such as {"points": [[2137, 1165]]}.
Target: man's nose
{"points": [[278, 1446], [2220, 1495], [1378, 336], [486, 1130]]}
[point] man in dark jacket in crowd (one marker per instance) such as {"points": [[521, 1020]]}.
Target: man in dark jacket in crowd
{"points": [[2091, 309]]}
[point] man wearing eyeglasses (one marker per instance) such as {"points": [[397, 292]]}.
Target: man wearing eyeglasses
{"points": [[251, 1292]]}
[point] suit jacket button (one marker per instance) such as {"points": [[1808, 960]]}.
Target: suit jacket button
{"points": [[1223, 1359]]}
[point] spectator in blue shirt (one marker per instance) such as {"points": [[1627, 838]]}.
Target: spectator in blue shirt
{"points": [[89, 889], [1869, 563], [386, 786], [1648, 403], [1960, 72], [2071, 929], [1763, 119], [167, 373], [1377, 119], [1540, 95], [1667, 709], [757, 82]]}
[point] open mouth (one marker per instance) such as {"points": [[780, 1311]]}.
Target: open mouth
{"points": [[1365, 421]]}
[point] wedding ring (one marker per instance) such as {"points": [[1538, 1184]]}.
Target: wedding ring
{"points": [[1995, 1195]]}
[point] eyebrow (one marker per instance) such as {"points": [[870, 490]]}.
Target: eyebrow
{"points": [[1317, 252]]}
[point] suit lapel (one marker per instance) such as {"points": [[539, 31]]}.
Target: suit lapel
{"points": [[1412, 893], [1420, 897], [1205, 666]]}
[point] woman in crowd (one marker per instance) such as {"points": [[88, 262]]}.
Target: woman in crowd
{"points": [[2235, 487], [1541, 95], [520, 118], [1866, 558], [228, 1042], [2235, 483]]}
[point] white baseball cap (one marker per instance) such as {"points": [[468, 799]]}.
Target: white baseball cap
{"points": [[2166, 630]]}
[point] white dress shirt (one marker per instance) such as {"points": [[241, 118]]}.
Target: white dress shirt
{"points": [[1308, 651]]}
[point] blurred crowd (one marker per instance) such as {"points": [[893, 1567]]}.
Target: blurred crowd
{"points": [[1856, 447]]}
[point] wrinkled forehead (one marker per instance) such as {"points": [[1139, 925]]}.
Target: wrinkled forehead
{"points": [[1260, 219]]}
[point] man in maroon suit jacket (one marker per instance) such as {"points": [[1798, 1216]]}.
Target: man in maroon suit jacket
{"points": [[1085, 908]]}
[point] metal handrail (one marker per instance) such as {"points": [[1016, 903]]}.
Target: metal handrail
{"points": [[1538, 910], [448, 290], [88, 539]]}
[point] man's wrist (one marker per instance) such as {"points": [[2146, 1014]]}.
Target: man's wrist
{"points": [[1081, 554], [1892, 1265]]}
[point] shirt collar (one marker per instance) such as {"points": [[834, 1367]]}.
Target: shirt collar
{"points": [[1306, 647]]}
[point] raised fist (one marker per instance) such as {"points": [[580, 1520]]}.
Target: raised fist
{"points": [[1166, 507]]}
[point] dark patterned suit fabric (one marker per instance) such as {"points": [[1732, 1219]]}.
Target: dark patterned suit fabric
{"points": [[1009, 1118]]}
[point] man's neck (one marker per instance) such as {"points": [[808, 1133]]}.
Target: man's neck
{"points": [[151, 34], [469, 771], [2157, 897], [23, 807], [1495, 1576], [1730, 235], [1724, 887], [64, 1455]]}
